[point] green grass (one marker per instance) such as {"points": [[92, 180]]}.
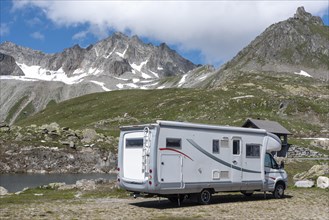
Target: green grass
{"points": [[38, 195], [211, 106]]}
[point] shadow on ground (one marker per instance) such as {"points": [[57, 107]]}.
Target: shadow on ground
{"points": [[164, 203]]}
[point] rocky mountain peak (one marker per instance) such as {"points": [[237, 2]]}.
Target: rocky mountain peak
{"points": [[300, 43], [302, 15]]}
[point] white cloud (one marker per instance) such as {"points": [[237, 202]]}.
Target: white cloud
{"points": [[219, 29], [80, 35], [4, 29], [37, 35]]}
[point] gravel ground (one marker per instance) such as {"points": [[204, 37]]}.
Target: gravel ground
{"points": [[298, 204]]}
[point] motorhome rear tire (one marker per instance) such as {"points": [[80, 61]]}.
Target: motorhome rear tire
{"points": [[278, 192], [204, 197]]}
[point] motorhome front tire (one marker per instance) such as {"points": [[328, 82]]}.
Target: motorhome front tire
{"points": [[278, 192]]}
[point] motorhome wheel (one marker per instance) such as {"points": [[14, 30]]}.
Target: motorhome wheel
{"points": [[204, 197], [278, 192]]}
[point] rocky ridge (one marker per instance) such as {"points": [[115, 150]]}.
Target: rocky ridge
{"points": [[113, 56], [297, 45]]}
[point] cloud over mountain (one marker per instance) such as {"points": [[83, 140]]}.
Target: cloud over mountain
{"points": [[218, 29]]}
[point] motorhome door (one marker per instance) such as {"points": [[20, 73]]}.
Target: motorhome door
{"points": [[236, 171], [171, 171]]}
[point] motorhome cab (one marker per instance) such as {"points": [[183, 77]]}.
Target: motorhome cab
{"points": [[178, 160]]}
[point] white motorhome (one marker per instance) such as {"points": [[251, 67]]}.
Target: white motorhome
{"points": [[178, 159]]}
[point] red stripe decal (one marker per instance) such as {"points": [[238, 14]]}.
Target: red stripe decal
{"points": [[177, 151]]}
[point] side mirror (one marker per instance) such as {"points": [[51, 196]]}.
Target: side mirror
{"points": [[282, 164]]}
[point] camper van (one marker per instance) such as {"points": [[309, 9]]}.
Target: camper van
{"points": [[178, 160]]}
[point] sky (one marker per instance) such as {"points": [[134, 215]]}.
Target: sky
{"points": [[205, 32]]}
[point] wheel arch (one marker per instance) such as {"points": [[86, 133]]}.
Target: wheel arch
{"points": [[281, 182]]}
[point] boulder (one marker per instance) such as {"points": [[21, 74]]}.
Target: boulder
{"points": [[3, 191], [89, 135], [315, 171], [322, 182], [304, 183], [51, 128]]}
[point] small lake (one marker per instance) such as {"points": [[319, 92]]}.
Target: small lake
{"points": [[17, 182]]}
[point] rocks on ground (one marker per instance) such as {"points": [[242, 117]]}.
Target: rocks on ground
{"points": [[317, 172], [3, 191], [322, 182], [53, 149]]}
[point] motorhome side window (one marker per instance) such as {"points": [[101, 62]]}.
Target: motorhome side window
{"points": [[134, 142], [215, 146], [236, 147], [253, 150], [173, 142]]}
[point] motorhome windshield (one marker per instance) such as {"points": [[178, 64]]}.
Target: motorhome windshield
{"points": [[270, 162]]}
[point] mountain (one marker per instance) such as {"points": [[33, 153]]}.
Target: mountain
{"points": [[117, 62], [114, 56], [298, 45]]}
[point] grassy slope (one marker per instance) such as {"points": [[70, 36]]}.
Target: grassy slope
{"points": [[306, 113]]}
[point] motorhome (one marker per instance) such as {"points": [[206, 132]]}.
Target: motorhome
{"points": [[177, 160]]}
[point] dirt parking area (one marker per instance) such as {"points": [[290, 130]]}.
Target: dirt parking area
{"points": [[298, 204]]}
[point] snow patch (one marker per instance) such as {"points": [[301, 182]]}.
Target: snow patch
{"points": [[155, 74], [161, 87], [120, 86], [101, 84], [132, 85], [121, 78], [138, 67], [38, 73], [303, 73], [106, 57], [202, 78], [160, 68], [122, 54], [78, 71], [243, 97], [96, 52], [145, 76], [144, 88], [182, 81], [135, 80]]}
